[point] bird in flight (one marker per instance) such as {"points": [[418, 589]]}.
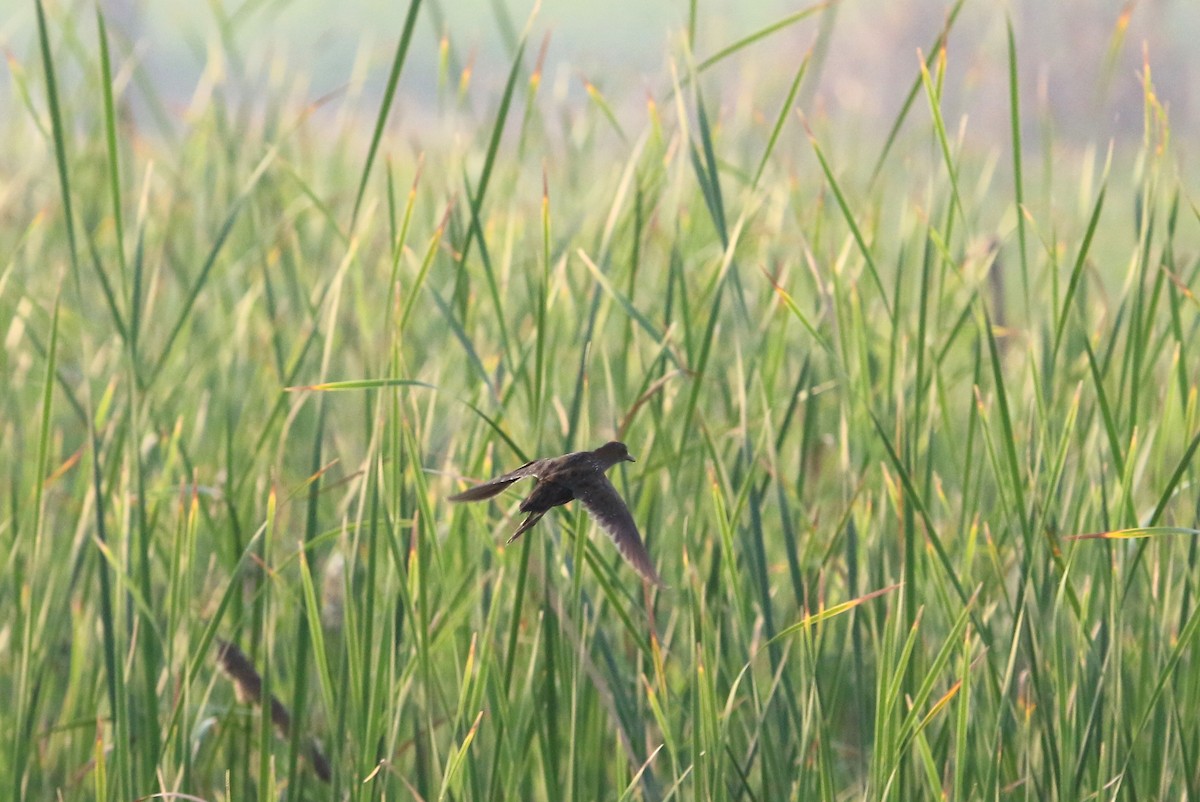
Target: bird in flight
{"points": [[579, 475]]}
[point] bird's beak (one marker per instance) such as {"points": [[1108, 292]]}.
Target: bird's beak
{"points": [[630, 459]]}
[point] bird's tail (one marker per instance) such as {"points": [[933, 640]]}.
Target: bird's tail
{"points": [[485, 490]]}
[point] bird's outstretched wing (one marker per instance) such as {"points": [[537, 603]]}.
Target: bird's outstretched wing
{"points": [[495, 486], [606, 506]]}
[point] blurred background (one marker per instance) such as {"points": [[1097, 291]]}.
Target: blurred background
{"points": [[1083, 60]]}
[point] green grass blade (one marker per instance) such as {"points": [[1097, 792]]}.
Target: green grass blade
{"points": [[1014, 107], [385, 106], [761, 34], [785, 113], [58, 130], [1077, 269], [852, 223], [110, 138], [894, 132]]}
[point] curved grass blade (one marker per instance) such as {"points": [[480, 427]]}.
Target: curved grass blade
{"points": [[644, 322], [60, 144], [934, 95], [489, 161], [1081, 259], [389, 95], [374, 384], [810, 621], [1018, 173], [848, 215], [760, 34], [784, 114], [209, 262], [1173, 482], [110, 137], [931, 535], [1135, 533], [905, 107]]}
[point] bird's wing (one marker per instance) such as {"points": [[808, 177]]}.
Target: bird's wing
{"points": [[606, 506], [495, 486]]}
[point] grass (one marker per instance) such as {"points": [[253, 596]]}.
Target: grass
{"points": [[873, 396]]}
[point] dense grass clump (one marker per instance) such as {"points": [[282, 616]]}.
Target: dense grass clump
{"points": [[874, 396]]}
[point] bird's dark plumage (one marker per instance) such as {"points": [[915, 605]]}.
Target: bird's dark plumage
{"points": [[579, 475]]}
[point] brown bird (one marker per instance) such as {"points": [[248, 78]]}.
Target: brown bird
{"points": [[579, 475]]}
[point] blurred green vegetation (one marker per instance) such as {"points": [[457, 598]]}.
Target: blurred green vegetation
{"points": [[875, 379]]}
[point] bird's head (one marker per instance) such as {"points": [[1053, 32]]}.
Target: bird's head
{"points": [[613, 452]]}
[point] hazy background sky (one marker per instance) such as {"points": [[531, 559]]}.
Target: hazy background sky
{"points": [[1076, 65]]}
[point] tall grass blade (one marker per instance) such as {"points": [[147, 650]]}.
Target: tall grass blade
{"points": [[385, 106]]}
